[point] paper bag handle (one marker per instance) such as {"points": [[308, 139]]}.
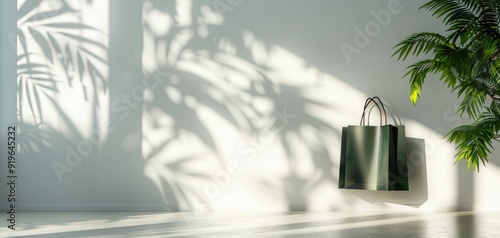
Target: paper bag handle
{"points": [[367, 102]]}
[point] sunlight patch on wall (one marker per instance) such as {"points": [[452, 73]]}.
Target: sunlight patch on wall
{"points": [[62, 49], [486, 193], [441, 170]]}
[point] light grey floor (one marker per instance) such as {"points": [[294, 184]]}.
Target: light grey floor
{"points": [[304, 224]]}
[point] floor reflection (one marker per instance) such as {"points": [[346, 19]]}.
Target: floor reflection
{"points": [[303, 224]]}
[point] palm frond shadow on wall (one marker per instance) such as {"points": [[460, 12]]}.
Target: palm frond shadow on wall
{"points": [[218, 73], [61, 84], [57, 54], [54, 52]]}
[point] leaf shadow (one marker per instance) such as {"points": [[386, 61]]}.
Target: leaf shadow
{"points": [[52, 38], [193, 64]]}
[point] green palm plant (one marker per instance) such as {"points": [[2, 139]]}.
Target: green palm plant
{"points": [[468, 62]]}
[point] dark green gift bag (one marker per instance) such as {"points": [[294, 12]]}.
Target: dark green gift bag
{"points": [[373, 157]]}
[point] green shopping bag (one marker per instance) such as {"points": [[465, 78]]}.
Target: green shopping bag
{"points": [[373, 157]]}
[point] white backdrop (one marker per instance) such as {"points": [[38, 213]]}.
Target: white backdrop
{"points": [[222, 105]]}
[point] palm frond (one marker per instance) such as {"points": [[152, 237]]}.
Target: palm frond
{"points": [[453, 11], [418, 72], [452, 57], [472, 103], [474, 142], [419, 43], [489, 17]]}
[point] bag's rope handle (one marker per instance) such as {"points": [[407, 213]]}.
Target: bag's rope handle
{"points": [[383, 108], [367, 102]]}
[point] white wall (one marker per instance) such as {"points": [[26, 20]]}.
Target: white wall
{"points": [[206, 135]]}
